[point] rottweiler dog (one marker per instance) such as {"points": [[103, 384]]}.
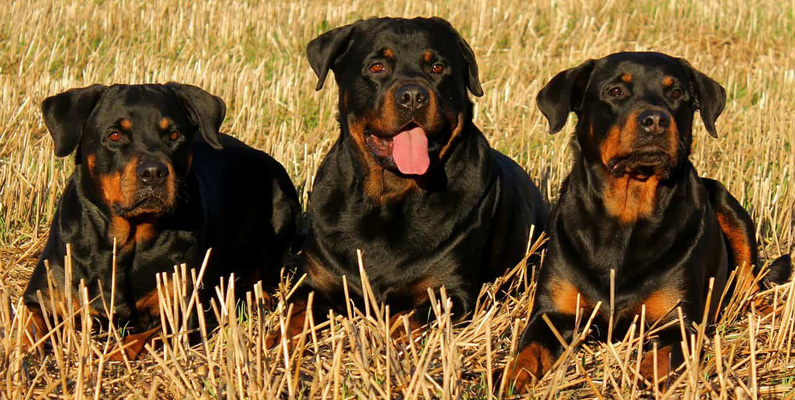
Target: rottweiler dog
{"points": [[411, 181], [154, 176], [633, 203]]}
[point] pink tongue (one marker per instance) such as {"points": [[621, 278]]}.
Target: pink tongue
{"points": [[410, 151]]}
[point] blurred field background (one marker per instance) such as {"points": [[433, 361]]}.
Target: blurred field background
{"points": [[252, 55]]}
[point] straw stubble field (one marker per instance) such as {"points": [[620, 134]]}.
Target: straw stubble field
{"points": [[252, 55]]}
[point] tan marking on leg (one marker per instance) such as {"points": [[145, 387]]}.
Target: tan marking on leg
{"points": [[739, 245], [397, 329], [135, 345], [294, 327], [564, 297], [660, 303], [663, 360], [530, 365]]}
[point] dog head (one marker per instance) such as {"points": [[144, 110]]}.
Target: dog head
{"points": [[635, 110], [403, 87], [133, 141]]}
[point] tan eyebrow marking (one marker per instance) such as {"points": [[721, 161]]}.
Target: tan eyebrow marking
{"points": [[164, 123], [427, 56], [667, 81], [125, 124], [626, 77], [388, 53]]}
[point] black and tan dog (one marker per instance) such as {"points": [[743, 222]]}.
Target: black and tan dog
{"points": [[635, 204], [411, 181], [153, 172]]}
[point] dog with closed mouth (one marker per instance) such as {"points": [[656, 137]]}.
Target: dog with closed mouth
{"points": [[411, 181], [633, 203], [154, 178]]}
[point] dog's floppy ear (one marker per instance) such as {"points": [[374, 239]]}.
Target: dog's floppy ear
{"points": [[204, 110], [709, 97], [66, 113], [473, 81], [324, 51], [564, 94]]}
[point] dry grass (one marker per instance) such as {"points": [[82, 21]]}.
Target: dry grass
{"points": [[251, 54]]}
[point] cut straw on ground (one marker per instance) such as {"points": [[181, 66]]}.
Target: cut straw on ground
{"points": [[252, 55]]}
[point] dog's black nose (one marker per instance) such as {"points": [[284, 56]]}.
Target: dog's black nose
{"points": [[654, 121], [411, 96], [152, 172]]}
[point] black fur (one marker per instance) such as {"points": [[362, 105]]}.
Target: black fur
{"points": [[458, 225], [663, 255], [217, 193]]}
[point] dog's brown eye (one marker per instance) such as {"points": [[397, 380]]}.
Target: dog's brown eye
{"points": [[437, 68], [377, 68], [114, 136], [174, 135], [675, 94], [615, 92]]}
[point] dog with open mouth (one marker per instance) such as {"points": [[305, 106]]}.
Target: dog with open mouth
{"points": [[633, 203], [411, 181], [154, 177]]}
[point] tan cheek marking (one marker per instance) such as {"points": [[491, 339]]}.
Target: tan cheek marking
{"points": [[129, 179], [611, 145], [456, 131], [92, 162], [673, 139], [171, 184], [620, 139], [373, 178], [111, 188], [126, 124], [384, 116], [119, 187]]}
